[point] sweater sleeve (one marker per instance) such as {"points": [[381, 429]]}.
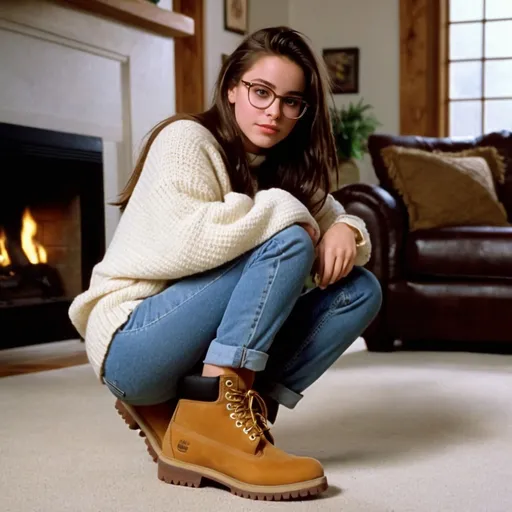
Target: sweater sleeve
{"points": [[333, 212], [183, 218]]}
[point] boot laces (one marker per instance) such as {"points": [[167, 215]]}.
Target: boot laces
{"points": [[249, 411]]}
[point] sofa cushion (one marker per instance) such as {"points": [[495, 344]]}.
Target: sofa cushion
{"points": [[502, 141], [462, 252], [448, 189]]}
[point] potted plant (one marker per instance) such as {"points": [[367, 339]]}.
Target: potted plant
{"points": [[351, 125]]}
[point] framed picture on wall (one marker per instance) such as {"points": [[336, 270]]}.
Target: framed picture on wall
{"points": [[343, 68], [236, 16]]}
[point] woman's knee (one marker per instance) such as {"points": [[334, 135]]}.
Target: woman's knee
{"points": [[369, 289], [296, 241]]}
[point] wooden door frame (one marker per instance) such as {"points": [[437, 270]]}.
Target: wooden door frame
{"points": [[189, 59], [423, 69]]}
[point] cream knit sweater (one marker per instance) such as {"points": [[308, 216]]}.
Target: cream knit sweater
{"points": [[183, 218]]}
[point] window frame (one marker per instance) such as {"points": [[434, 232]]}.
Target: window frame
{"points": [[447, 61]]}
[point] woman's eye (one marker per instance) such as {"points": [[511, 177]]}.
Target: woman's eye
{"points": [[292, 102], [262, 92]]}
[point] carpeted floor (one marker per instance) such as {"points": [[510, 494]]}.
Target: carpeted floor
{"points": [[402, 432]]}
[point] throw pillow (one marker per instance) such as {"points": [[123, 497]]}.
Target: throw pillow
{"points": [[447, 189]]}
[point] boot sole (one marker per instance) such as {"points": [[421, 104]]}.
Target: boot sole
{"points": [[135, 422], [175, 472]]}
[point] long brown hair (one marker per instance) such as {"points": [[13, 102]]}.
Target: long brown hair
{"points": [[301, 163]]}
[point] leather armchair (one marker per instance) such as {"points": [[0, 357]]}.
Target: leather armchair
{"points": [[444, 288]]}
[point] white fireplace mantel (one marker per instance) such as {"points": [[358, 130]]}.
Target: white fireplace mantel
{"points": [[68, 70]]}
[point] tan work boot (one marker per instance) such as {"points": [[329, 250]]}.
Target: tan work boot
{"points": [[151, 420], [223, 438]]}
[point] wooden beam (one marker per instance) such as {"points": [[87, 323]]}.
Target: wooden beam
{"points": [[443, 122], [141, 14], [189, 60], [421, 67]]}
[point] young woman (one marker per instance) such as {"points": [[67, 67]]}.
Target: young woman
{"points": [[198, 318]]}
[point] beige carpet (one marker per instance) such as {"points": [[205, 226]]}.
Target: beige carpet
{"points": [[403, 432]]}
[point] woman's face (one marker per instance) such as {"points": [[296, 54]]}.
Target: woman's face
{"points": [[264, 128]]}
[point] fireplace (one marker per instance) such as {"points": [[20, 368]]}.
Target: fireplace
{"points": [[52, 230]]}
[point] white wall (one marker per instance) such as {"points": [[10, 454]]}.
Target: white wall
{"points": [[165, 4], [216, 42], [268, 13], [373, 27]]}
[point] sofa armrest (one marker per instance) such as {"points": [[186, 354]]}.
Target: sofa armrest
{"points": [[385, 220]]}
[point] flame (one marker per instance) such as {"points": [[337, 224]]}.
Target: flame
{"points": [[34, 251], [5, 261]]}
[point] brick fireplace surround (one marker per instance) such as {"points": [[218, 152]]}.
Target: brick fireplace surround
{"points": [[76, 73]]}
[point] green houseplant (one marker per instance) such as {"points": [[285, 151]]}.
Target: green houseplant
{"points": [[352, 125]]}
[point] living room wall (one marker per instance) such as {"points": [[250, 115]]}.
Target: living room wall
{"points": [[267, 13], [216, 42], [373, 27]]}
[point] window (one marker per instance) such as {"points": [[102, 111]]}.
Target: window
{"points": [[479, 66]]}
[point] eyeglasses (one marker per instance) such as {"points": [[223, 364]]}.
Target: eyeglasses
{"points": [[261, 97]]}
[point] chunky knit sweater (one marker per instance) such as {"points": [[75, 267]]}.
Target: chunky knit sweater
{"points": [[184, 218]]}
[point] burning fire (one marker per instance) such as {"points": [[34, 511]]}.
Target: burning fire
{"points": [[34, 251], [5, 261]]}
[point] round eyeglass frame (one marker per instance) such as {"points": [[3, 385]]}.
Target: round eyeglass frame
{"points": [[274, 96]]}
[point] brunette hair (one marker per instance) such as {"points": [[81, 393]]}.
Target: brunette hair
{"points": [[302, 163]]}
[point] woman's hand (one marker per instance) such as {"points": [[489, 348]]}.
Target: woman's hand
{"points": [[336, 254]]}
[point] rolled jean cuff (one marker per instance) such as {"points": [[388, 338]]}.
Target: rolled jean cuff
{"points": [[235, 357], [284, 396]]}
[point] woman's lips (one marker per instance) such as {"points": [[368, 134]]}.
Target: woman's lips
{"points": [[268, 129]]}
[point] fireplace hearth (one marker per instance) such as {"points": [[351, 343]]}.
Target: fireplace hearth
{"points": [[52, 230]]}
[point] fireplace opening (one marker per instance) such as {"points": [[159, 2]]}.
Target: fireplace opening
{"points": [[52, 230], [24, 271]]}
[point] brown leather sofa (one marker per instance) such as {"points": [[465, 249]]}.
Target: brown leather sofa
{"points": [[448, 288]]}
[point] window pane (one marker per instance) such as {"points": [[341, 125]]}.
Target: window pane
{"points": [[498, 115], [465, 118], [464, 10], [498, 39], [465, 80], [466, 41], [498, 78], [497, 9]]}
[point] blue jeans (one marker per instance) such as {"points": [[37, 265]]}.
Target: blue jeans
{"points": [[249, 313]]}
